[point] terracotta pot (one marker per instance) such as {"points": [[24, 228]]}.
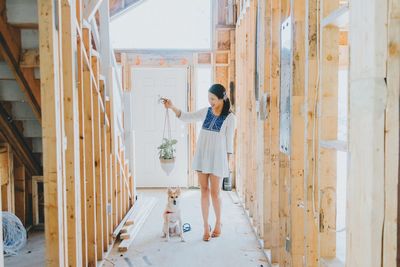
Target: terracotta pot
{"points": [[167, 165]]}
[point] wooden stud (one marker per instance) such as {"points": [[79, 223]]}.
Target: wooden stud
{"points": [[97, 160], [274, 129], [311, 186], [89, 158], [71, 118], [30, 58], [391, 230], [367, 103], [297, 137], [53, 144], [284, 211], [328, 125], [110, 172], [266, 75], [20, 191], [82, 150], [35, 199], [104, 172], [7, 180]]}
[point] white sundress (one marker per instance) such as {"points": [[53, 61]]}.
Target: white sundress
{"points": [[214, 143]]}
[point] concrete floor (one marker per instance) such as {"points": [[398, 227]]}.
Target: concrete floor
{"points": [[237, 246], [32, 255]]}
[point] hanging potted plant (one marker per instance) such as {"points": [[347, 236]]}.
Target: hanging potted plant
{"points": [[167, 154]]}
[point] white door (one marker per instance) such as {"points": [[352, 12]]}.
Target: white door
{"points": [[149, 114]]}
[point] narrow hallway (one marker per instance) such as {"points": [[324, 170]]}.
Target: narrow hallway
{"points": [[237, 246]]}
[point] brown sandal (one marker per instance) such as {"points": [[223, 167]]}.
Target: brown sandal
{"points": [[206, 237], [215, 233]]}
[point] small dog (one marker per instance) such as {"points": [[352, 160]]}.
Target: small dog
{"points": [[172, 216]]}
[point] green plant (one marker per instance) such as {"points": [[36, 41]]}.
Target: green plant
{"points": [[167, 148]]}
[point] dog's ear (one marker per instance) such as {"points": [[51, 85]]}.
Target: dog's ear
{"points": [[178, 190], [169, 190]]}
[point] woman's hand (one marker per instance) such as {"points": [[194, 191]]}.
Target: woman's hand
{"points": [[167, 103]]}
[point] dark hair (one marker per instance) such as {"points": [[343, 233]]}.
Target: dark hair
{"points": [[219, 91]]}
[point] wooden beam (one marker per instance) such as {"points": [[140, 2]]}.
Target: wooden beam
{"points": [[365, 213], [297, 134], [30, 58], [82, 149], [35, 199], [110, 177], [267, 187], [104, 173], [14, 137], [311, 187], [71, 119], [327, 130], [88, 92], [53, 144], [274, 129], [391, 230], [20, 191], [97, 161], [10, 50], [7, 182]]}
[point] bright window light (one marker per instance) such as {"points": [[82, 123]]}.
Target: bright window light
{"points": [[161, 24]]}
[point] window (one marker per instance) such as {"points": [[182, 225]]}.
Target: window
{"points": [[160, 24]]}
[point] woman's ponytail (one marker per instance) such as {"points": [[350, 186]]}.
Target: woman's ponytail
{"points": [[226, 109]]}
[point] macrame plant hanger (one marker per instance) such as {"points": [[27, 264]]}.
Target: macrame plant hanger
{"points": [[167, 124], [167, 164]]}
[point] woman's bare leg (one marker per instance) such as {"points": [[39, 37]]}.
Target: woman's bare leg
{"points": [[215, 182], [205, 199]]}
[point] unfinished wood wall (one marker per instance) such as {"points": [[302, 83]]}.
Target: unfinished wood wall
{"points": [[297, 217], [88, 185]]}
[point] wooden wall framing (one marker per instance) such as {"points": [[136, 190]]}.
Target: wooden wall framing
{"points": [[83, 131], [298, 214]]}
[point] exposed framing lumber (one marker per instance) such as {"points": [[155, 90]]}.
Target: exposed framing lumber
{"points": [[297, 149], [145, 212], [311, 187], [30, 58], [10, 50], [391, 231], [97, 160], [14, 137], [110, 174], [54, 178], [328, 128], [89, 157], [35, 199], [274, 130], [8, 179], [20, 192], [82, 148], [365, 204], [267, 183], [104, 172], [71, 119]]}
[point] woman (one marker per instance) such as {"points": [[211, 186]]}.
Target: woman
{"points": [[214, 150]]}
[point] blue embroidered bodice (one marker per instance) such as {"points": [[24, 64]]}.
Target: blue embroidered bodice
{"points": [[212, 122]]}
